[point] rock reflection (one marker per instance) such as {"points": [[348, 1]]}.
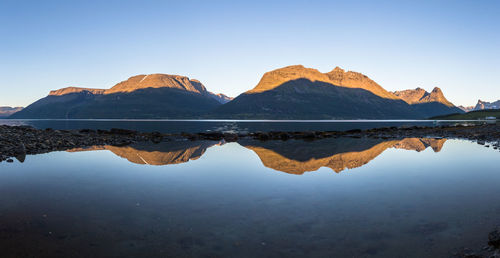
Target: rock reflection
{"points": [[293, 156]]}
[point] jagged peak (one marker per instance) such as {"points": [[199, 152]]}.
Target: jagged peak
{"points": [[420, 95], [337, 70], [437, 90]]}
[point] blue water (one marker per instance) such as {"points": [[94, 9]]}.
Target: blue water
{"points": [[194, 126], [412, 198]]}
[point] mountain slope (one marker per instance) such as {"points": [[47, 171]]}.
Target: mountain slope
{"points": [[142, 96], [481, 105], [7, 111], [305, 99], [337, 76], [297, 92], [430, 104]]}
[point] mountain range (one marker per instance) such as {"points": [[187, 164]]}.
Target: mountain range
{"points": [[7, 111], [482, 105], [141, 96], [292, 92], [296, 92]]}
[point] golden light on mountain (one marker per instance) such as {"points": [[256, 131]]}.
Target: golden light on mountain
{"points": [[337, 77]]}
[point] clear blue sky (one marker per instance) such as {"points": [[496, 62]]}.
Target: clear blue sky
{"points": [[228, 45]]}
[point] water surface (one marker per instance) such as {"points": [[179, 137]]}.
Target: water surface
{"points": [[340, 197]]}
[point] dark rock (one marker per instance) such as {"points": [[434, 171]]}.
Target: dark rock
{"points": [[354, 131], [230, 137], [122, 131], [284, 136], [20, 149], [494, 238], [263, 136]]}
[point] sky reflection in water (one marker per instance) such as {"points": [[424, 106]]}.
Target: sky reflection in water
{"points": [[235, 199]]}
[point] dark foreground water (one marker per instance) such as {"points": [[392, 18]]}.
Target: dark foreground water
{"points": [[196, 126], [329, 198]]}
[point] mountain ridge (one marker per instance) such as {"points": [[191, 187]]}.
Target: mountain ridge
{"points": [[6, 111], [337, 77], [291, 92], [419, 96], [297, 92], [481, 105], [155, 96]]}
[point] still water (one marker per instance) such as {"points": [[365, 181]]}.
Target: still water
{"points": [[340, 197], [245, 126]]}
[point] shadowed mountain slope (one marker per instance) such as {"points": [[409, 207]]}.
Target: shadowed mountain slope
{"points": [[292, 92], [431, 104], [306, 99], [142, 96], [8, 111], [337, 76], [481, 105], [296, 92]]}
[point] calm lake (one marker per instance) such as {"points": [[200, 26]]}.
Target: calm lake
{"points": [[344, 197]]}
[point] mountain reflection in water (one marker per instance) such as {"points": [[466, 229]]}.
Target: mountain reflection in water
{"points": [[164, 153], [293, 156]]}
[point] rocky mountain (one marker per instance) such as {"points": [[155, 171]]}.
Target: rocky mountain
{"points": [[466, 109], [431, 104], [141, 96], [481, 105], [223, 99], [293, 92], [419, 96], [296, 92], [7, 111]]}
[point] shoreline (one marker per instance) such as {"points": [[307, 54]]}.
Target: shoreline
{"points": [[19, 141]]}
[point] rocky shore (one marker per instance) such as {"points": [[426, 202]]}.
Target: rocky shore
{"points": [[492, 250], [19, 141]]}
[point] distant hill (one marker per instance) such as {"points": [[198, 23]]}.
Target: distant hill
{"points": [[481, 105], [472, 115], [7, 111], [296, 92], [221, 98], [466, 109], [142, 96]]}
